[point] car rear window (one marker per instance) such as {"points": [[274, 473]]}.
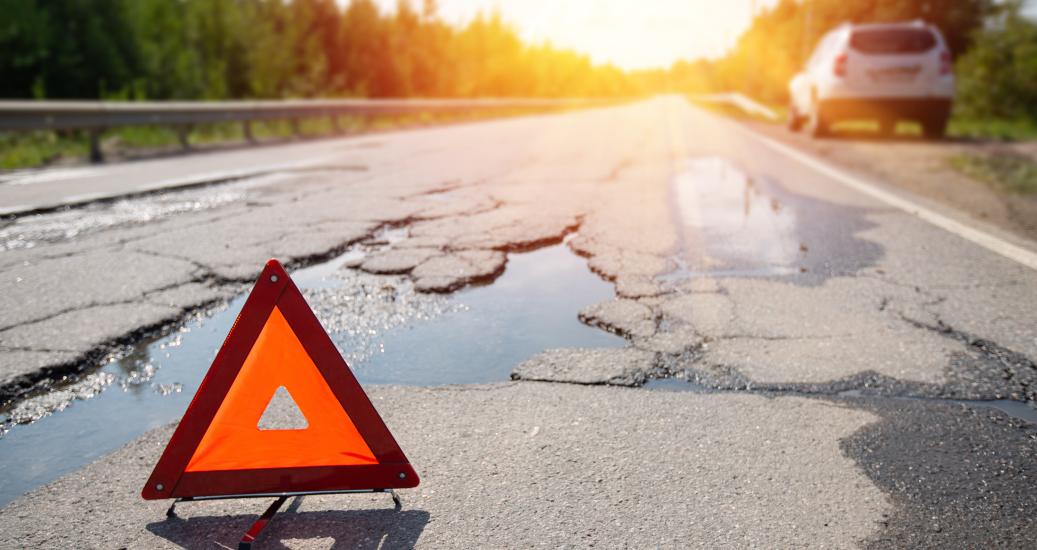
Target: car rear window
{"points": [[892, 41]]}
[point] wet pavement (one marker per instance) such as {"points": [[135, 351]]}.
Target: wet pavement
{"points": [[732, 226], [388, 333], [742, 300]]}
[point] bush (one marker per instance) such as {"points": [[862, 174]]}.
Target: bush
{"points": [[997, 77]]}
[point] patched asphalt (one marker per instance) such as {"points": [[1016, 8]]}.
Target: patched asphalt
{"points": [[525, 464]]}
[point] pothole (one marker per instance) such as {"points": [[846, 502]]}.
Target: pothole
{"points": [[1014, 409], [49, 227], [388, 332], [729, 225], [733, 224]]}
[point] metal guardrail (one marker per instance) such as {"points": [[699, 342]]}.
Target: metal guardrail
{"points": [[744, 103], [97, 116]]}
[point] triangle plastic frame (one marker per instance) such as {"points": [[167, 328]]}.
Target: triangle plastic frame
{"points": [[274, 288]]}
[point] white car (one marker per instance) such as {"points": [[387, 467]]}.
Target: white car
{"points": [[887, 72]]}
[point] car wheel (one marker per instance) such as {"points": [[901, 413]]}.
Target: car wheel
{"points": [[795, 120], [887, 126], [934, 127], [817, 122]]}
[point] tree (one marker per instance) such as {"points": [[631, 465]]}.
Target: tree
{"points": [[222, 49], [66, 48], [998, 76]]}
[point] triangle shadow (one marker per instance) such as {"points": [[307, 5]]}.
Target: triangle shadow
{"points": [[362, 529]]}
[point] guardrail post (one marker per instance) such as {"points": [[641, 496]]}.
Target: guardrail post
{"points": [[336, 124], [295, 127], [247, 126], [94, 136], [182, 134]]}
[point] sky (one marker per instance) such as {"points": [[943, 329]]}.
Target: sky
{"points": [[629, 33]]}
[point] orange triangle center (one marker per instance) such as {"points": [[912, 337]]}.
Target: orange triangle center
{"points": [[234, 441]]}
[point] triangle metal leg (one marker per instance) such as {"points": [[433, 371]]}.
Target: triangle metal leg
{"points": [[171, 512], [257, 528]]}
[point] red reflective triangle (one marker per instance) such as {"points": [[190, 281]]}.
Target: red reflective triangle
{"points": [[218, 448]]}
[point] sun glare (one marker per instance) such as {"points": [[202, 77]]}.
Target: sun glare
{"points": [[628, 33]]}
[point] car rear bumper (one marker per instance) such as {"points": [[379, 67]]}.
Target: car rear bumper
{"points": [[901, 107]]}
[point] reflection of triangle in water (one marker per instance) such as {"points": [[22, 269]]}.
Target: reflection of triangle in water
{"points": [[282, 413]]}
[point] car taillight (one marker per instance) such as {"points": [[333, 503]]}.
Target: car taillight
{"points": [[945, 62], [839, 68]]}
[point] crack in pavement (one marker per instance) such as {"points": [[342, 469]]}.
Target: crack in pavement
{"points": [[91, 305], [86, 361]]}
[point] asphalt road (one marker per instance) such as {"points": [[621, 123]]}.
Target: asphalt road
{"points": [[825, 322]]}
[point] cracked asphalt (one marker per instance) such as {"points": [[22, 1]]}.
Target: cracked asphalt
{"points": [[824, 332]]}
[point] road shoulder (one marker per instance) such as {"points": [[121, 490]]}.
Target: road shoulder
{"points": [[925, 169]]}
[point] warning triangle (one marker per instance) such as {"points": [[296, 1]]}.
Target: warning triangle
{"points": [[276, 363]]}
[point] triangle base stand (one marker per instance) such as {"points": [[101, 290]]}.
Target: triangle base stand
{"points": [[253, 532]]}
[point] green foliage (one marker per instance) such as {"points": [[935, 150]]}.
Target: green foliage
{"points": [[964, 126], [65, 48], [222, 49], [997, 78], [38, 148], [1010, 171]]}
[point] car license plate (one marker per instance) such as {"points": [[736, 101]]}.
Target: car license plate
{"points": [[898, 73]]}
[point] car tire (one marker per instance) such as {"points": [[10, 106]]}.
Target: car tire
{"points": [[887, 126], [795, 120], [817, 122], [935, 127]]}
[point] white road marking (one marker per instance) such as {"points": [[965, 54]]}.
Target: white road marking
{"points": [[14, 209], [170, 184], [225, 175], [994, 244]]}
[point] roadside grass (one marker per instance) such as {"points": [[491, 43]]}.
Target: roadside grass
{"points": [[1010, 171], [999, 129], [42, 148], [39, 148]]}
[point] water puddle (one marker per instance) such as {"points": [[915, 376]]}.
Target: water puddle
{"points": [[1015, 409], [730, 225], [29, 231], [388, 333], [675, 384]]}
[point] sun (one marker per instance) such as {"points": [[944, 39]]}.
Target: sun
{"points": [[631, 34]]}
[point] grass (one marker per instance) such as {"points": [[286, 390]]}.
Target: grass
{"points": [[39, 148], [36, 149], [1012, 172], [1005, 130], [958, 127]]}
